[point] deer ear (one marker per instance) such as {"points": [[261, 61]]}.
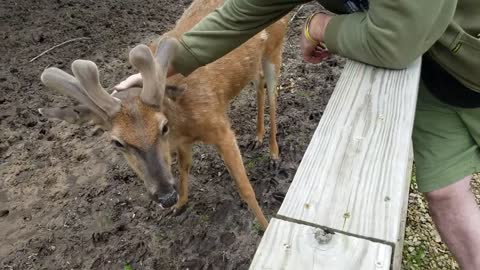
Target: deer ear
{"points": [[79, 115], [175, 91]]}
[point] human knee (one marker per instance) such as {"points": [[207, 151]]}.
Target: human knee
{"points": [[454, 191], [440, 195]]}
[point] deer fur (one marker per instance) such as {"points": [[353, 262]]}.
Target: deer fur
{"points": [[170, 115]]}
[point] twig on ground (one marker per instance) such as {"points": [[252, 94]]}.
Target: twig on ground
{"points": [[58, 45], [296, 12]]}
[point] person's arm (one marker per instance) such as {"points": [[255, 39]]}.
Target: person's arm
{"points": [[227, 28], [391, 34]]}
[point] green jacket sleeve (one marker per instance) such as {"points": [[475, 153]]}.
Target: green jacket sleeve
{"points": [[227, 28], [392, 33]]}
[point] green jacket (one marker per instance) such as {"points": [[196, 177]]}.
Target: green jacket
{"points": [[391, 34]]}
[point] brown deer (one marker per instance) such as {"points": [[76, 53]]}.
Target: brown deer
{"points": [[168, 115]]}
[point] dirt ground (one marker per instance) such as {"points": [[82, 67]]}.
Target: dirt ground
{"points": [[72, 201]]}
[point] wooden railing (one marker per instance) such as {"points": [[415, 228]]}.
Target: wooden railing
{"points": [[346, 206]]}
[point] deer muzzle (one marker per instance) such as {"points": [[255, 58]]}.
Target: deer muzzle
{"points": [[166, 201]]}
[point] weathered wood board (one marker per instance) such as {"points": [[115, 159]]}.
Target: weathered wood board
{"points": [[398, 251], [287, 245], [353, 175]]}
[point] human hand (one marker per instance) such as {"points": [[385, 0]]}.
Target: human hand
{"points": [[312, 37], [136, 80], [131, 81]]}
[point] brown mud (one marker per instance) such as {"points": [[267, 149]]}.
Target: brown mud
{"points": [[69, 201]]}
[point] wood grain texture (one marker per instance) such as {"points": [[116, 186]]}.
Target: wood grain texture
{"points": [[352, 176], [398, 250], [287, 245]]}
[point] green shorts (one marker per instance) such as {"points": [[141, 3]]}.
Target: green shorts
{"points": [[446, 142]]}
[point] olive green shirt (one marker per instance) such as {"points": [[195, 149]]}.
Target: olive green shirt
{"points": [[391, 34]]}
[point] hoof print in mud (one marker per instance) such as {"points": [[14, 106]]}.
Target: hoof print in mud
{"points": [[315, 116], [281, 175], [4, 213], [274, 165], [100, 237], [274, 181], [278, 196]]}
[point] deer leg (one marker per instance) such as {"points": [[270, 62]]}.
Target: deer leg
{"points": [[184, 164], [260, 87], [230, 153], [271, 72]]}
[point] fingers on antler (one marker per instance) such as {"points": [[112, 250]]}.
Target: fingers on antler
{"points": [[66, 84], [154, 71], [87, 74]]}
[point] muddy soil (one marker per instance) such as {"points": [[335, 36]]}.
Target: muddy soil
{"points": [[69, 201]]}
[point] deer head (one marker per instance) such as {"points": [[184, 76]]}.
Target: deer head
{"points": [[137, 124]]}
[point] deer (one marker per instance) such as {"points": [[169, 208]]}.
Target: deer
{"points": [[166, 116]]}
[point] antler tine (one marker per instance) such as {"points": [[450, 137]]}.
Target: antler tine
{"points": [[153, 89], [165, 51], [65, 83], [87, 74], [153, 69]]}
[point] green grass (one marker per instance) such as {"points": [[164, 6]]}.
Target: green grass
{"points": [[250, 164], [416, 259], [257, 228], [303, 93], [204, 218]]}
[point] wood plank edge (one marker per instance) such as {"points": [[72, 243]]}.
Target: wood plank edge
{"points": [[398, 249]]}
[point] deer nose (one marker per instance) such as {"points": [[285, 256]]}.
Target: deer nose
{"points": [[168, 200]]}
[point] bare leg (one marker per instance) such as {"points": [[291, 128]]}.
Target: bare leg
{"points": [[457, 218], [184, 164], [230, 153]]}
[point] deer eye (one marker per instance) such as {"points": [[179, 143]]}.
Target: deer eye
{"points": [[118, 144], [165, 129]]}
